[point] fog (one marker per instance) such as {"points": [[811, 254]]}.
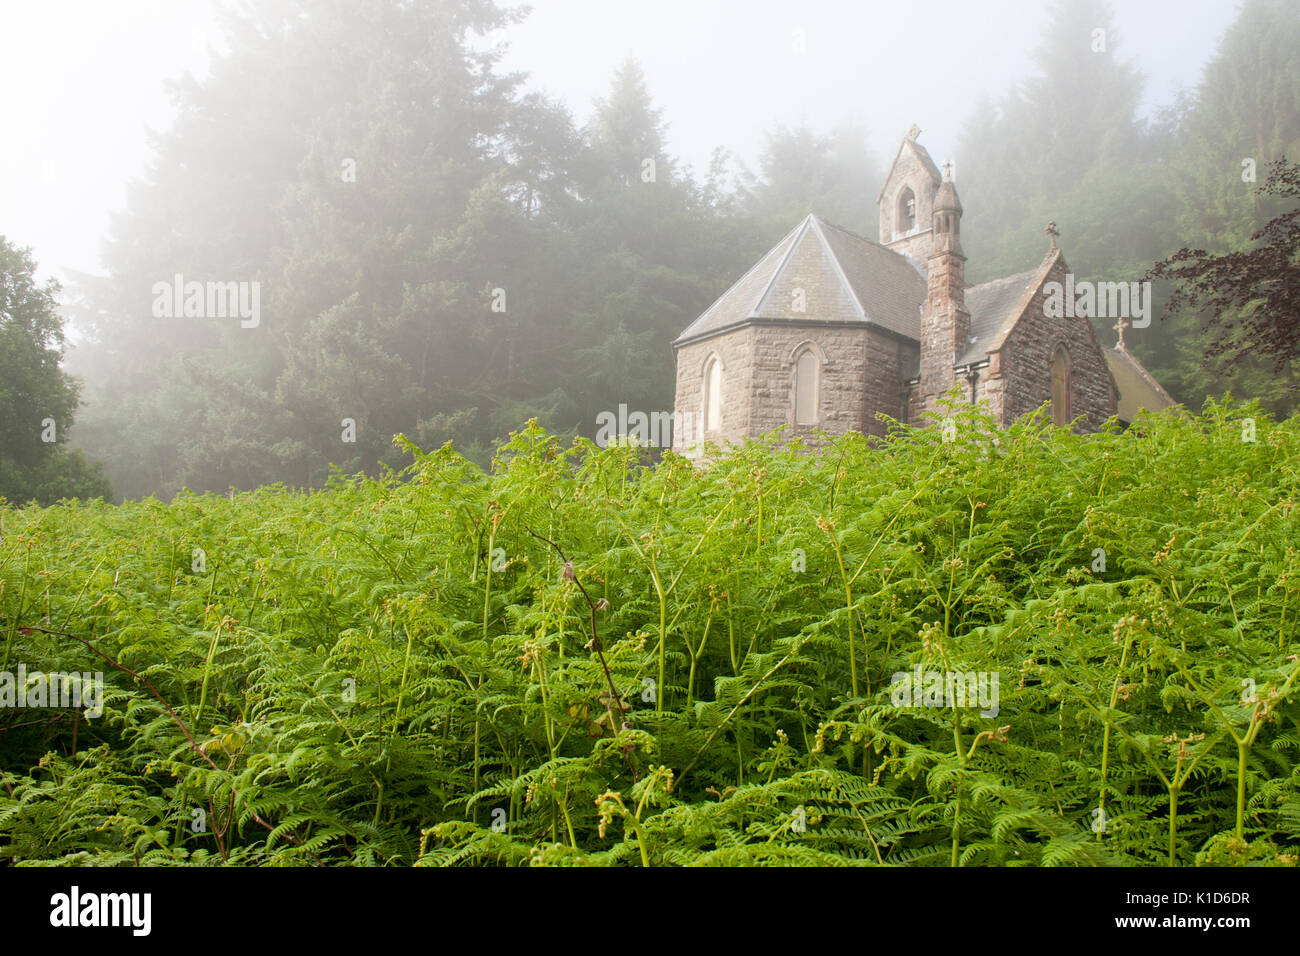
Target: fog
{"points": [[289, 230], [93, 79]]}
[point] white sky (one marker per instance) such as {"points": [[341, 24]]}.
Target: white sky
{"points": [[83, 79]]}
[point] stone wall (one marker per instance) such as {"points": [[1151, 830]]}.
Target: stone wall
{"points": [[842, 366], [945, 326], [736, 351], [1019, 377], [859, 368], [887, 357], [909, 172]]}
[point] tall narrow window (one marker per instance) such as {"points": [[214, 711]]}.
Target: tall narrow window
{"points": [[1061, 388], [805, 388], [712, 395], [906, 211]]}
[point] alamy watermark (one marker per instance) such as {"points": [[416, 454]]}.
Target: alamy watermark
{"points": [[655, 429], [179, 299], [75, 908], [945, 689], [39, 689], [1098, 300]]}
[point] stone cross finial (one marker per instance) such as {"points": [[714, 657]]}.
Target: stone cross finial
{"points": [[1119, 327], [1052, 234], [914, 132], [947, 170]]}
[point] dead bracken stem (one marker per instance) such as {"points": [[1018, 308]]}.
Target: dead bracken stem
{"points": [[615, 701]]}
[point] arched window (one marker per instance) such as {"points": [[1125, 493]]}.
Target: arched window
{"points": [[712, 394], [1061, 387], [806, 390], [906, 210]]}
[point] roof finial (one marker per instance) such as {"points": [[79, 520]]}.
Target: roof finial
{"points": [[947, 170], [914, 132], [1119, 327], [1052, 234]]}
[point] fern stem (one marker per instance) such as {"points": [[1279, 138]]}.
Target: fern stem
{"points": [[1105, 738], [956, 833], [848, 604], [401, 687], [1243, 749], [568, 824], [18, 611], [1173, 824], [663, 630], [207, 672]]}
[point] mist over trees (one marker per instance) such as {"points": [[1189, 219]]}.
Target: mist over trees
{"points": [[38, 398], [443, 254], [1253, 295], [1069, 147]]}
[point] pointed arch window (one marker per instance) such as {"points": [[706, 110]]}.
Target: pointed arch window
{"points": [[712, 394], [1061, 387], [807, 387], [906, 210]]}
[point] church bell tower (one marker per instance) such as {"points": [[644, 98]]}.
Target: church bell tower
{"points": [[945, 322]]}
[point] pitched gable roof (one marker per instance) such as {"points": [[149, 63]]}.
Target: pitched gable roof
{"points": [[841, 276], [1137, 388], [996, 307], [990, 306], [889, 285]]}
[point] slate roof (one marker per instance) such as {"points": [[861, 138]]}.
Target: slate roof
{"points": [[993, 307], [890, 285], [846, 278], [843, 278], [1137, 388]]}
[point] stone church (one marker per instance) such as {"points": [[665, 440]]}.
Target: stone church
{"points": [[829, 328]]}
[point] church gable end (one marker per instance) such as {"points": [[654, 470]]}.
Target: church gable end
{"points": [[1035, 350]]}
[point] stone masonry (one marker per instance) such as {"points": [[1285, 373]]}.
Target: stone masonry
{"points": [[1019, 377], [892, 327]]}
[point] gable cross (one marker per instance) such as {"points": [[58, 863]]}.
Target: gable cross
{"points": [[1119, 327], [1052, 234], [914, 132]]}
